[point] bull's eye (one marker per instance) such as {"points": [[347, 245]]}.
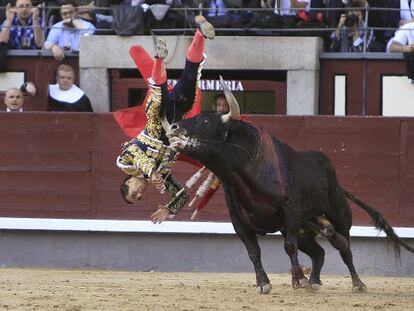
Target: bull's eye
{"points": [[226, 135]]}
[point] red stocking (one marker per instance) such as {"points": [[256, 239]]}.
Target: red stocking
{"points": [[158, 74], [196, 48]]}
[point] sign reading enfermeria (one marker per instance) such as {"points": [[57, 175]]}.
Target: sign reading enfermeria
{"points": [[214, 85]]}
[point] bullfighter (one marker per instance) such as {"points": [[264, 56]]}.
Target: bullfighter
{"points": [[148, 157]]}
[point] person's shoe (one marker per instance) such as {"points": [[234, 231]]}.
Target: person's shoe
{"points": [[161, 48], [205, 27]]}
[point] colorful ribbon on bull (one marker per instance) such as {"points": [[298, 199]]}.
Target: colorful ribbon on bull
{"points": [[204, 192]]}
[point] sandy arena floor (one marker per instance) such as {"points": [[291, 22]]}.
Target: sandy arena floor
{"points": [[47, 289]]}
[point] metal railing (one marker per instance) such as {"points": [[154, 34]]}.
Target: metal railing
{"points": [[188, 13]]}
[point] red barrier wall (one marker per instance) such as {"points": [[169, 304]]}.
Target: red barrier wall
{"points": [[63, 164]]}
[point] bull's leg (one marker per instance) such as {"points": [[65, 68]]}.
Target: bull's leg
{"points": [[292, 224], [249, 239], [341, 243], [252, 245], [291, 248], [340, 216], [310, 247]]}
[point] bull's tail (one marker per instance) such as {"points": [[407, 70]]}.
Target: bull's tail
{"points": [[381, 224]]}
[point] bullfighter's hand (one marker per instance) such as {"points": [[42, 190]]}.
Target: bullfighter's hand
{"points": [[157, 180], [160, 215]]}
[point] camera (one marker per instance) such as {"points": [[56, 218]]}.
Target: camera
{"points": [[351, 20]]}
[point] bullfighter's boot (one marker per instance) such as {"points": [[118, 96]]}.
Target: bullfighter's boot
{"points": [[205, 27], [196, 48]]}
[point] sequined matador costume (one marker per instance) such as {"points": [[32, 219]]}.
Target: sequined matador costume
{"points": [[150, 150]]}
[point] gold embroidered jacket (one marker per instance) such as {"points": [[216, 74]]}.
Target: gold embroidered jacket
{"points": [[146, 153]]}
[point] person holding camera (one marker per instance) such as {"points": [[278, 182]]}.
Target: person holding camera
{"points": [[351, 31], [65, 35]]}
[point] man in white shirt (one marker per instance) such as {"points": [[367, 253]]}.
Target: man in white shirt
{"points": [[406, 11], [66, 34], [403, 41]]}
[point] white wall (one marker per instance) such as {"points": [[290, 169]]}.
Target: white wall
{"points": [[397, 96]]}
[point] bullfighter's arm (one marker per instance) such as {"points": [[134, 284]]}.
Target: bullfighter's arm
{"points": [[177, 203]]}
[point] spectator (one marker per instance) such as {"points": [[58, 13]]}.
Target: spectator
{"points": [[65, 95], [220, 103], [406, 11], [219, 14], [162, 14], [284, 14], [22, 27], [286, 7], [88, 11], [350, 32], [403, 42], [13, 98], [65, 35], [380, 18], [333, 15]]}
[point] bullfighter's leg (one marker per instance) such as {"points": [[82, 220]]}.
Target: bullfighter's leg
{"points": [[291, 234], [310, 247], [158, 73], [249, 239], [184, 93]]}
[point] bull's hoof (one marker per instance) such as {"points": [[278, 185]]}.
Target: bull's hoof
{"points": [[264, 289], [314, 283], [359, 287], [314, 286], [301, 283]]}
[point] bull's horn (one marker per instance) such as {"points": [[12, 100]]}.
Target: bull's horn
{"points": [[234, 112], [165, 124]]}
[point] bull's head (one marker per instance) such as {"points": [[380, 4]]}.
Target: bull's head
{"points": [[209, 136]]}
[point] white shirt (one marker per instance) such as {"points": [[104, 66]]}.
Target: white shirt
{"points": [[68, 38], [405, 35], [8, 110], [286, 7], [407, 9]]}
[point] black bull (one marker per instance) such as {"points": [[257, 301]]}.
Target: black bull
{"points": [[271, 187]]}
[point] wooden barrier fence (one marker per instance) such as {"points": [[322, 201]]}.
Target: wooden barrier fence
{"points": [[62, 165]]}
